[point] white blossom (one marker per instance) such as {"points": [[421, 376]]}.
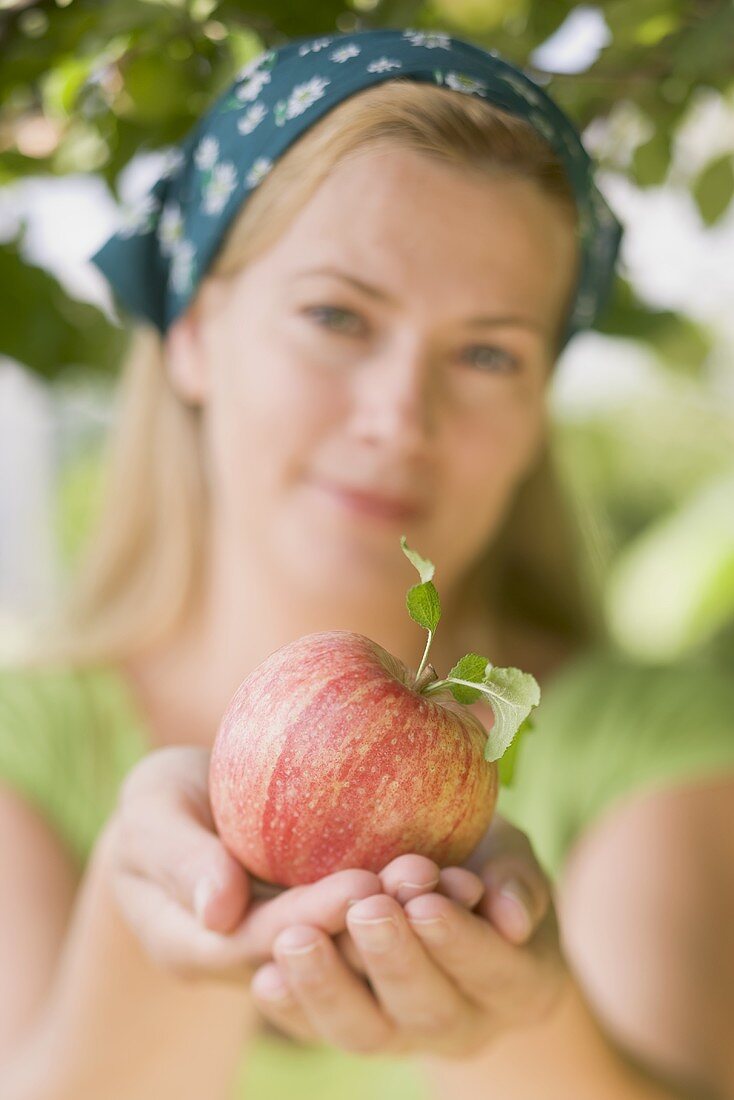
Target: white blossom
{"points": [[181, 271], [303, 95], [207, 152], [170, 227], [252, 117], [314, 47], [219, 187], [428, 39], [251, 66], [259, 169], [343, 53], [253, 86], [137, 218], [383, 65], [460, 82]]}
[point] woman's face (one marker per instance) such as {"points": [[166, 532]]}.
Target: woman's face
{"points": [[396, 340]]}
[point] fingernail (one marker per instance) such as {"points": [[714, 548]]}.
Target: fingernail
{"points": [[515, 903], [298, 945], [376, 934], [434, 929], [271, 986], [407, 890], [204, 891]]}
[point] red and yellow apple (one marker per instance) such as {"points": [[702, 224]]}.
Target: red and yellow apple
{"points": [[329, 756]]}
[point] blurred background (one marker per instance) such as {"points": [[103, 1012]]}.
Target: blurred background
{"points": [[93, 93]]}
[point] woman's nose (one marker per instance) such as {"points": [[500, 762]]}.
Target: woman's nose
{"points": [[396, 400]]}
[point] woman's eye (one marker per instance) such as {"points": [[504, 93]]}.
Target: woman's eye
{"points": [[494, 358], [338, 320]]}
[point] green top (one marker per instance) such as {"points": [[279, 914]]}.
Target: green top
{"points": [[606, 727]]}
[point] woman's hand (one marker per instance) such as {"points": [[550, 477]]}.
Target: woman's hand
{"points": [[442, 979], [190, 903]]}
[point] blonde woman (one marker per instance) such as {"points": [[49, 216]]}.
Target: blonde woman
{"points": [[339, 339]]}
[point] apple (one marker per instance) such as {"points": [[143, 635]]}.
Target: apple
{"points": [[333, 754], [327, 757]]}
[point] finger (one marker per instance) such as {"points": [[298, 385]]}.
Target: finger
{"points": [[518, 892], [163, 836], [321, 904], [347, 949], [461, 885], [275, 1001], [173, 937], [407, 876], [414, 992], [516, 905], [491, 972], [336, 1003], [411, 875]]}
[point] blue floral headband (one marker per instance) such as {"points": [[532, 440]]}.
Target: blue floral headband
{"points": [[159, 255]]}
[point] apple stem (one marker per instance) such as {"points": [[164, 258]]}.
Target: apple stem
{"points": [[424, 658], [426, 677]]}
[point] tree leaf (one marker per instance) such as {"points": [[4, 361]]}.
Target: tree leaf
{"points": [[424, 605], [513, 694], [425, 567], [714, 188]]}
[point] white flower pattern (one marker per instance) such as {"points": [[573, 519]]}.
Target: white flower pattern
{"points": [[219, 187], [343, 53], [170, 227], [253, 86], [182, 267], [207, 152], [383, 65], [252, 118], [303, 95], [251, 66], [429, 40], [137, 218], [259, 170], [313, 47], [460, 82]]}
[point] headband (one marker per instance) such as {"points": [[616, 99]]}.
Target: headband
{"points": [[161, 251]]}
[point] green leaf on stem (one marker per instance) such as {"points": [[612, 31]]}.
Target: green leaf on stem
{"points": [[425, 567], [423, 605], [512, 694], [471, 667]]}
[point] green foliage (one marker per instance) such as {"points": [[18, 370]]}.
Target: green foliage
{"points": [[511, 692], [423, 605], [714, 188], [44, 328], [471, 667]]}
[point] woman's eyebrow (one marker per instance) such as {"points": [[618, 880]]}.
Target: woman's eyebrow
{"points": [[382, 296]]}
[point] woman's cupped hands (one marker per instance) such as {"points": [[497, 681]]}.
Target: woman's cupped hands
{"points": [[413, 958]]}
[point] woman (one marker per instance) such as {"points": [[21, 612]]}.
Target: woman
{"points": [[381, 317]]}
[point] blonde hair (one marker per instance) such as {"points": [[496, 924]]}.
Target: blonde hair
{"points": [[141, 567]]}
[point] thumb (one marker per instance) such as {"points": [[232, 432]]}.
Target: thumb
{"points": [[221, 891], [518, 893]]}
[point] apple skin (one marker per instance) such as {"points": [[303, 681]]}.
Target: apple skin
{"points": [[326, 758]]}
